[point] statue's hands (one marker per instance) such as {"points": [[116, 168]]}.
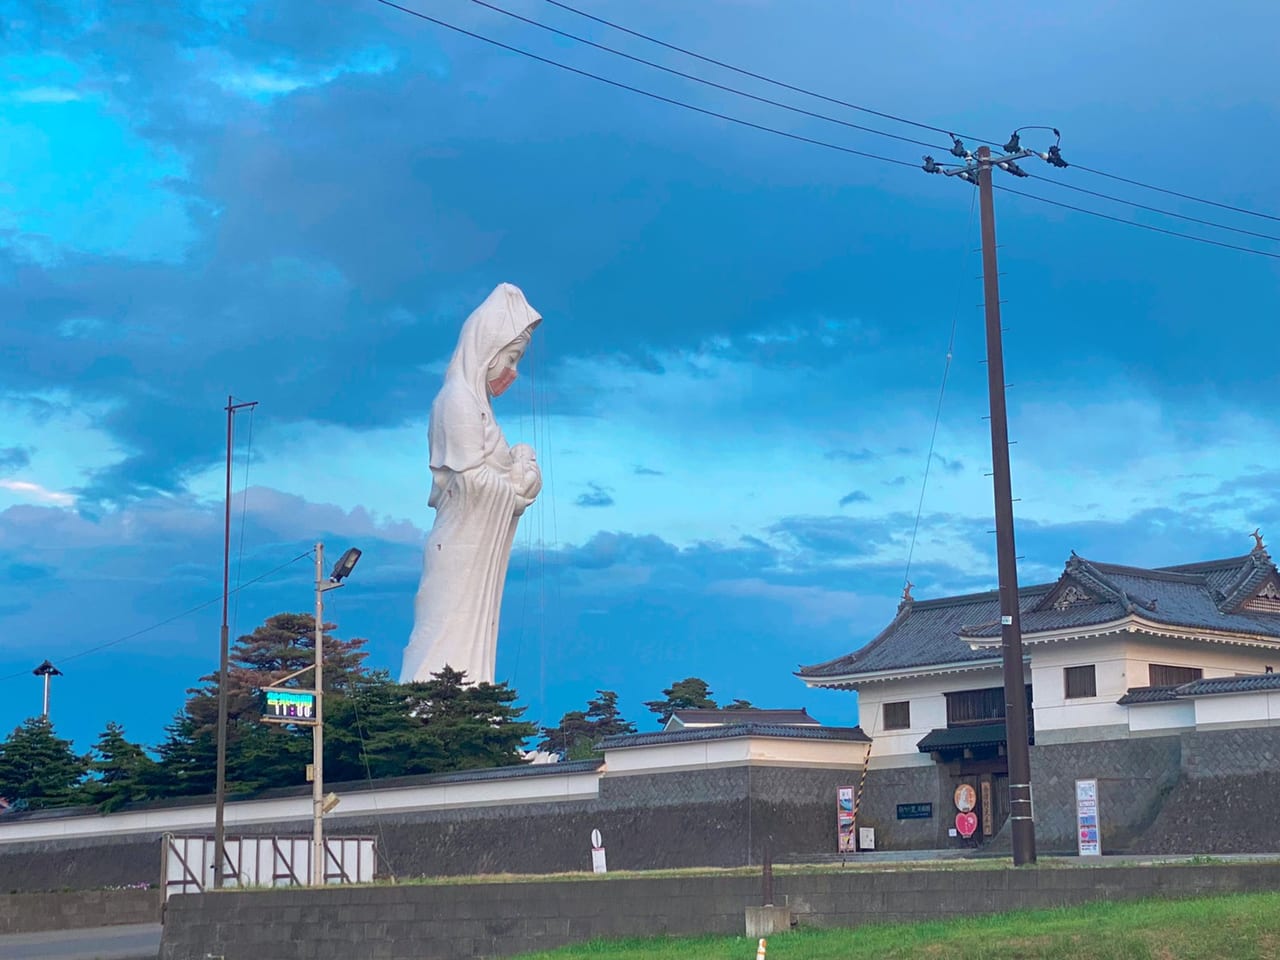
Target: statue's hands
{"points": [[526, 477]]}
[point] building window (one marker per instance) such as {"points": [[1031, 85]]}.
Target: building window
{"points": [[967, 707], [1080, 682], [1163, 675], [897, 716]]}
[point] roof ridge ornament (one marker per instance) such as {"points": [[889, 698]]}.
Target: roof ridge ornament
{"points": [[1259, 546]]}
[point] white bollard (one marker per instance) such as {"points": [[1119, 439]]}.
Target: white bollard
{"points": [[760, 950]]}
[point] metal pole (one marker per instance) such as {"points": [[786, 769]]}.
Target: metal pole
{"points": [[1020, 812], [317, 735], [220, 789], [46, 696]]}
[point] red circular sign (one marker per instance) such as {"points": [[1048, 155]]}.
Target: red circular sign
{"points": [[966, 823]]}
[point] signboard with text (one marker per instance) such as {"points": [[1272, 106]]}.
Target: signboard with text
{"points": [[915, 811], [289, 706], [846, 835], [1088, 837]]}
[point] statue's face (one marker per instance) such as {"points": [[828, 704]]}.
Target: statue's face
{"points": [[502, 371]]}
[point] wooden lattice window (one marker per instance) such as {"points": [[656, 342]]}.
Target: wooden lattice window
{"points": [[1163, 675], [1080, 682], [897, 716]]}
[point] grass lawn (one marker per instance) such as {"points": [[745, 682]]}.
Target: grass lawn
{"points": [[1243, 927]]}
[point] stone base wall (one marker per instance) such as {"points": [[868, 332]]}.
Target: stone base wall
{"points": [[455, 922], [34, 912]]}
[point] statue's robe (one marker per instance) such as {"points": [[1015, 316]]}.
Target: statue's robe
{"points": [[477, 506]]}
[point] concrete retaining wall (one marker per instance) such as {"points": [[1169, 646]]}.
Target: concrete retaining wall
{"points": [[454, 922], [33, 912]]}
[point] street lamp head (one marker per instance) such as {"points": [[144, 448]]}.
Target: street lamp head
{"points": [[346, 563], [47, 669]]}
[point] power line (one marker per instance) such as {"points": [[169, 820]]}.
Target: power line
{"points": [[1143, 226], [784, 133], [703, 80], [942, 392], [888, 116], [168, 620], [760, 76], [1166, 213], [1175, 193], [644, 93], [822, 116]]}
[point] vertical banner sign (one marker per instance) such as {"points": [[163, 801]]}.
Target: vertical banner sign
{"points": [[846, 835], [986, 808], [1088, 839]]}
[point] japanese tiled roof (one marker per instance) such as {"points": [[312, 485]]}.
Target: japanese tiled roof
{"points": [[743, 715], [1207, 596], [957, 738], [729, 732], [1207, 687]]}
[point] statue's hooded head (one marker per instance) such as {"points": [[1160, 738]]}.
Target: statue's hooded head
{"points": [[493, 340]]}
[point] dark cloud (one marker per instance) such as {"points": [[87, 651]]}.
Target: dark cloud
{"points": [[951, 466], [897, 481], [641, 471], [856, 496], [27, 572], [13, 459], [596, 496], [852, 456]]}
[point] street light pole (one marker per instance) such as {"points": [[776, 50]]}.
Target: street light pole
{"points": [[341, 570], [46, 670], [317, 731], [220, 790]]}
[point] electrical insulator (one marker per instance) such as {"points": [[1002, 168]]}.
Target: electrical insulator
{"points": [[957, 147], [931, 165], [1054, 156], [1014, 144]]}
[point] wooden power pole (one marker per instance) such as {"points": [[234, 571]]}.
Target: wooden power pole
{"points": [[977, 169]]}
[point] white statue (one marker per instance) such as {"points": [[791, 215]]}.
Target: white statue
{"points": [[479, 488]]}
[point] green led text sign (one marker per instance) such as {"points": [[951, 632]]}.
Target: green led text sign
{"points": [[290, 706]]}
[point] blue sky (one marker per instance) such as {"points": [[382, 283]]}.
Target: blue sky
{"points": [[733, 391]]}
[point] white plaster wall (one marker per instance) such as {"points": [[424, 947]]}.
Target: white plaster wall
{"points": [[897, 748], [1053, 711], [1162, 716], [1237, 708], [433, 797], [1215, 659], [734, 751]]}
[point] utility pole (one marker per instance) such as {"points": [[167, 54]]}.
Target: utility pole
{"points": [[46, 670], [220, 790], [977, 169], [319, 805], [317, 731]]}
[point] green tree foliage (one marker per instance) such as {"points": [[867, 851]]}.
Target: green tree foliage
{"points": [[687, 694], [188, 760], [579, 732], [123, 773], [39, 767], [740, 704]]}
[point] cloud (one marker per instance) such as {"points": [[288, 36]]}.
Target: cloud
{"points": [[641, 471], [45, 95], [13, 459], [597, 496], [856, 496], [33, 491], [851, 456], [951, 466]]}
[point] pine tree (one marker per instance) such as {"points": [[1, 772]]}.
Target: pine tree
{"points": [[687, 694], [477, 723], [39, 767], [371, 733], [125, 774], [188, 760], [578, 735]]}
